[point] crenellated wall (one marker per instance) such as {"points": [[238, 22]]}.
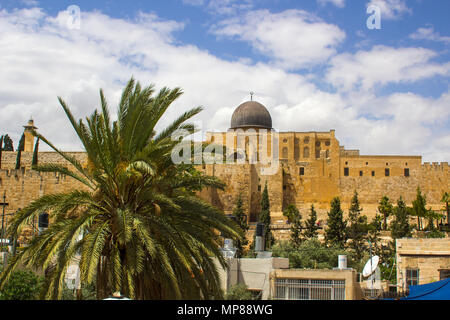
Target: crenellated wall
{"points": [[313, 168]]}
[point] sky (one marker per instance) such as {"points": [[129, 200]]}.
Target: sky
{"points": [[316, 65]]}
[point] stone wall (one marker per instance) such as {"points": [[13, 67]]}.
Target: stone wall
{"points": [[312, 170], [429, 256]]}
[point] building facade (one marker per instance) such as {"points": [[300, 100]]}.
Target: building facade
{"points": [[311, 168], [422, 261]]}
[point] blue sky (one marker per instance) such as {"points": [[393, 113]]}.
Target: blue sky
{"points": [[313, 63]]}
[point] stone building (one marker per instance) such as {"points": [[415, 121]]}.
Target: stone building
{"points": [[422, 261], [312, 168]]}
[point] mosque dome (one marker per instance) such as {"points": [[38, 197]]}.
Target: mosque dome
{"points": [[251, 114]]}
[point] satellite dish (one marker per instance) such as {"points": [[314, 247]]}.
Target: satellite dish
{"points": [[371, 266]]}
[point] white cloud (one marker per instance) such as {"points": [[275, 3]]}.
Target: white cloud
{"points": [[30, 2], [194, 2], [292, 39], [391, 9], [222, 7], [41, 59], [428, 33], [337, 3], [382, 65]]}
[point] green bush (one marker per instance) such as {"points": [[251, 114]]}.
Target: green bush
{"points": [[22, 285], [239, 292], [312, 254]]}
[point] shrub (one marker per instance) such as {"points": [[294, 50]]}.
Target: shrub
{"points": [[239, 292], [22, 285]]}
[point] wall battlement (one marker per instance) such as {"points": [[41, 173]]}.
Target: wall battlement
{"points": [[436, 166]]}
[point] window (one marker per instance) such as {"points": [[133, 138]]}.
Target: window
{"points": [[318, 144], [367, 163], [360, 173], [259, 188], [346, 162], [296, 149], [386, 172], [302, 171], [306, 152], [308, 289], [284, 187], [406, 172], [444, 274], [327, 143], [373, 173], [284, 140], [285, 153], [412, 277], [346, 172], [306, 140]]}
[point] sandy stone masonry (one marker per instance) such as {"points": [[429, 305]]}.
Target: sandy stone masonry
{"points": [[428, 256], [313, 168]]}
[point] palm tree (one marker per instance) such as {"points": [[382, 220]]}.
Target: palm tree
{"points": [[138, 226]]}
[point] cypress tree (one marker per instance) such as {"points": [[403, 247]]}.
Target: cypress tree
{"points": [[264, 217], [35, 153], [335, 232], [419, 209], [357, 228], [8, 143], [1, 149], [385, 208], [241, 220], [296, 227], [20, 148], [400, 227], [311, 225]]}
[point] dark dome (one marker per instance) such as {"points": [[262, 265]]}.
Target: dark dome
{"points": [[251, 114]]}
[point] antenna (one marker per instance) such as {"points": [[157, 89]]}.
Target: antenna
{"points": [[372, 272]]}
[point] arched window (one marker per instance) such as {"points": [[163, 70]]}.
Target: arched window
{"points": [[296, 149], [284, 153], [306, 152]]}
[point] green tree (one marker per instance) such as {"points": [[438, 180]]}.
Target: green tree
{"points": [[400, 227], [22, 285], [419, 208], [8, 144], [357, 228], [310, 230], [385, 208], [35, 153], [446, 200], [296, 226], [20, 148], [264, 217], [431, 230], [335, 232], [291, 213], [1, 149], [241, 219], [138, 224], [311, 254]]}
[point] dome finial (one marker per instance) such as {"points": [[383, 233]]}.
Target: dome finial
{"points": [[251, 95]]}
